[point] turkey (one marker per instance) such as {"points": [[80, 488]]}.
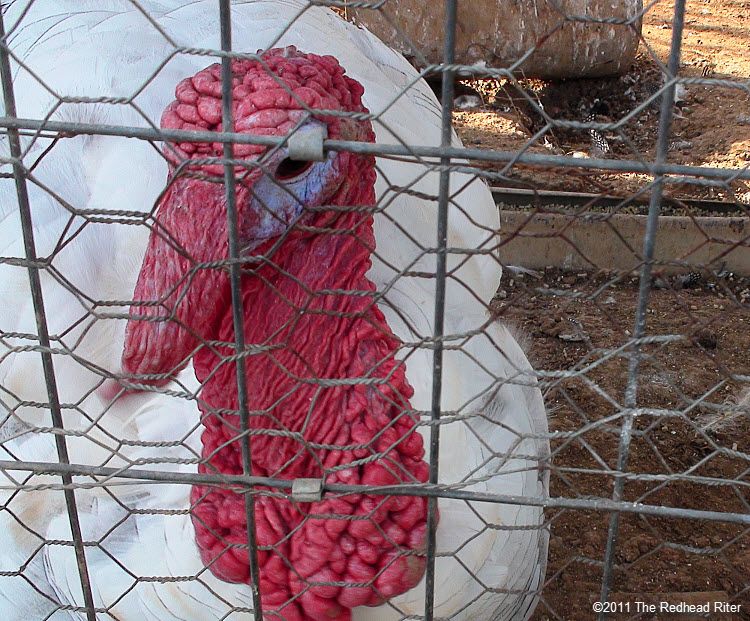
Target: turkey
{"points": [[169, 551]]}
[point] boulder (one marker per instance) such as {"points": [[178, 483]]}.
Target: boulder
{"points": [[548, 39]]}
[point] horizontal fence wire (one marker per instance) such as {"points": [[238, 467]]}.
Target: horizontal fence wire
{"points": [[424, 490], [415, 151]]}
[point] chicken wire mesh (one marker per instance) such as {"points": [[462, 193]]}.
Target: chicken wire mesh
{"points": [[289, 297]]}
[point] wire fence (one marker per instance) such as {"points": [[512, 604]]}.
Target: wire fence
{"points": [[257, 359]]}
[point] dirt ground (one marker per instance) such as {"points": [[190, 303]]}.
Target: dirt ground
{"points": [[711, 122], [577, 321]]}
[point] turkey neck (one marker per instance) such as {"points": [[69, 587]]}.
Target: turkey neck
{"points": [[312, 309]]}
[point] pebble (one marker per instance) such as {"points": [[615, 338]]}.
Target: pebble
{"points": [[571, 338], [679, 145]]}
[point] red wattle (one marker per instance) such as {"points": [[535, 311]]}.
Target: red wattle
{"points": [[337, 337]]}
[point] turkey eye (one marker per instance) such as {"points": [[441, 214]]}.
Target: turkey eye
{"points": [[289, 169]]}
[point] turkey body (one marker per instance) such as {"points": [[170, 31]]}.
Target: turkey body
{"points": [[491, 556]]}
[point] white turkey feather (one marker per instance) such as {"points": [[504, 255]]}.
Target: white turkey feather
{"points": [[493, 436]]}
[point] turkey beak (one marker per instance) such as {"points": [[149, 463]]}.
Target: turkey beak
{"points": [[276, 200], [272, 206]]}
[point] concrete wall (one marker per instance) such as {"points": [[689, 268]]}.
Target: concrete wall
{"points": [[615, 241]]}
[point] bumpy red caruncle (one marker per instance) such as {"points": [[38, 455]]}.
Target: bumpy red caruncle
{"points": [[328, 396]]}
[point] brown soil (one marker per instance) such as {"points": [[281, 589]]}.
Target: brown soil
{"points": [[711, 125], [575, 320]]}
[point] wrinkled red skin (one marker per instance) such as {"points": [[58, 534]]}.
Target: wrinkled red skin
{"points": [[312, 334]]}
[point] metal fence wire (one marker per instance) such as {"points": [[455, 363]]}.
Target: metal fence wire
{"points": [[257, 360]]}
